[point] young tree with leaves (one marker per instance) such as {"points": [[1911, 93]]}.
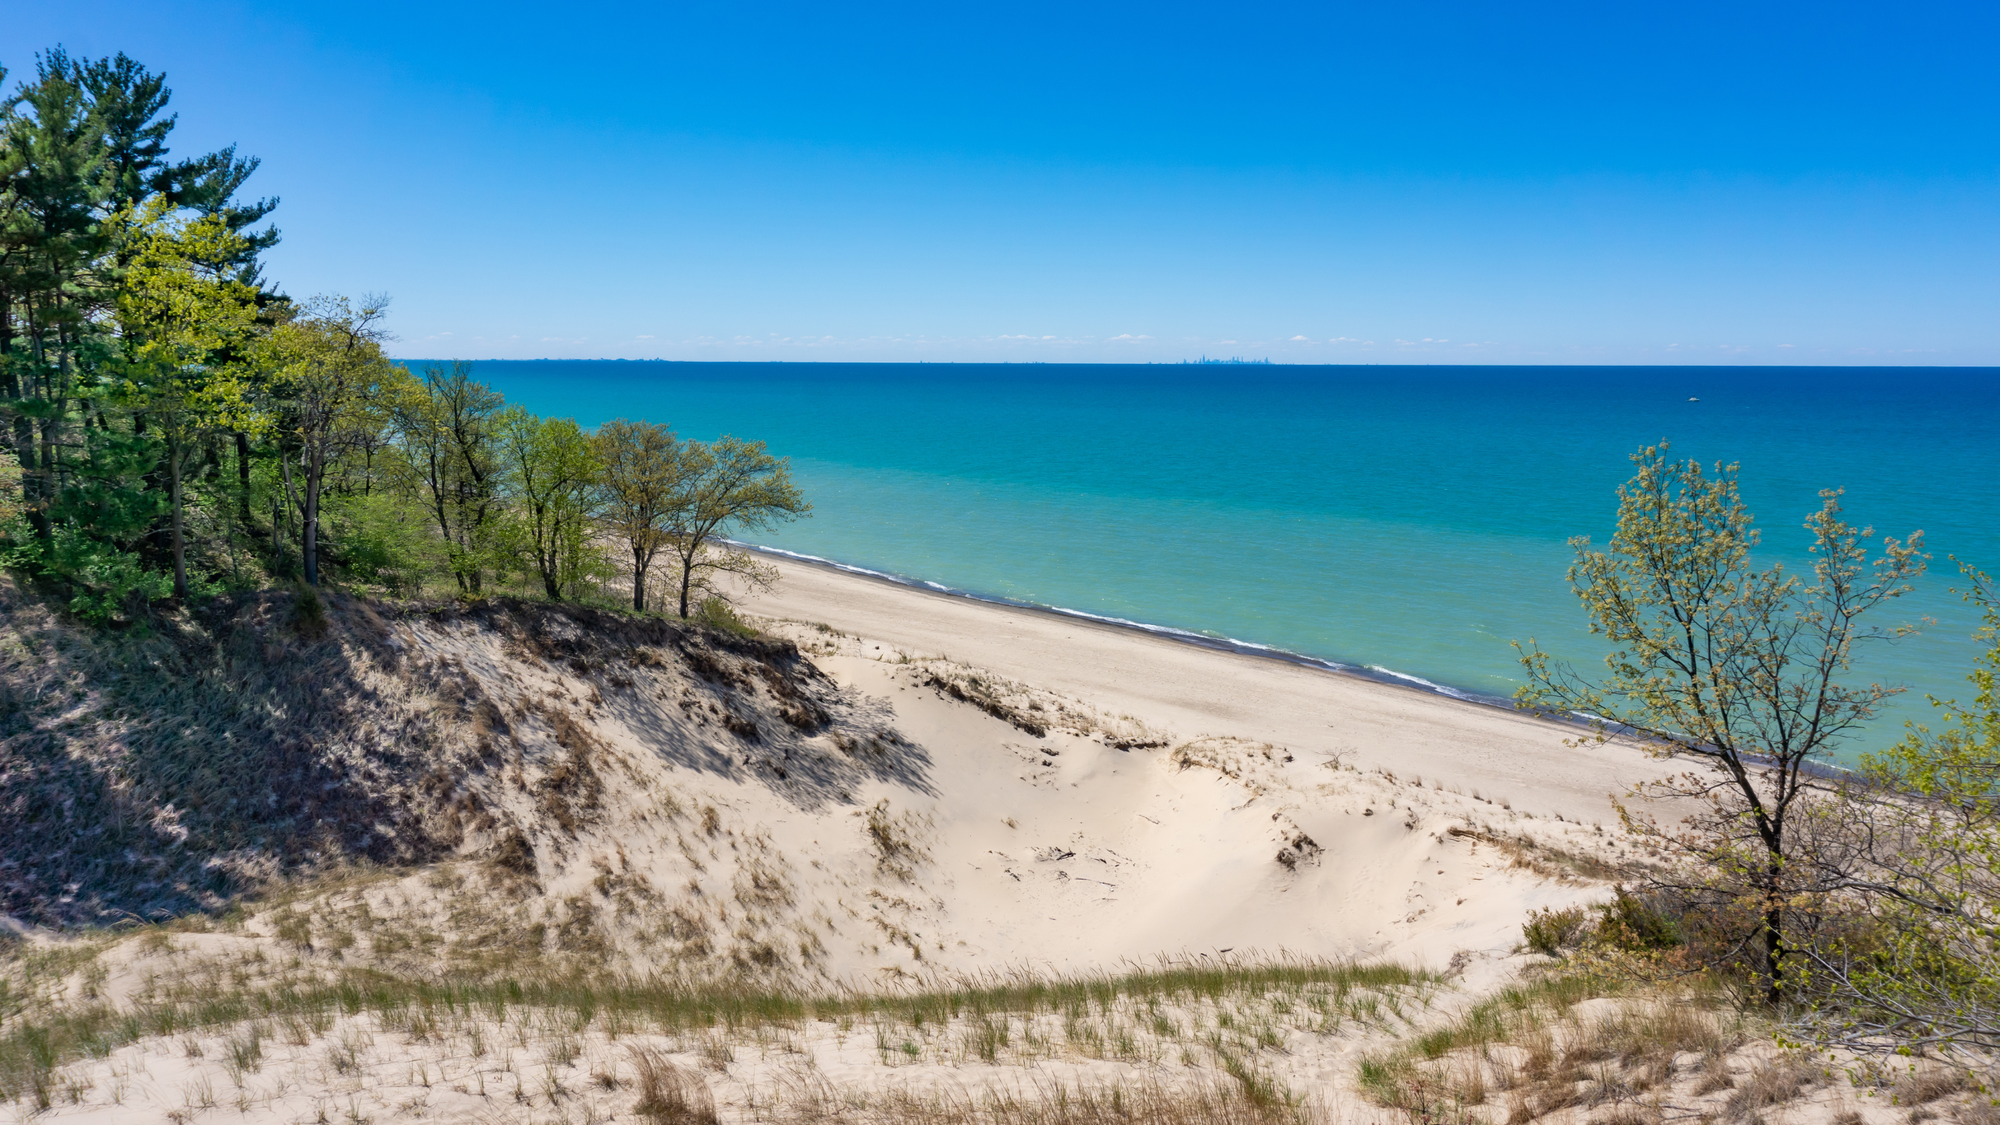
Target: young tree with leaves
{"points": [[327, 375], [181, 320], [644, 472], [555, 471], [1741, 668], [735, 485], [1912, 957], [449, 427]]}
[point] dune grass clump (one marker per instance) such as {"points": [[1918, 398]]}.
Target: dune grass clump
{"points": [[669, 1095]]}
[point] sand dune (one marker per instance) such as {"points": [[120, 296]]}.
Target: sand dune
{"points": [[947, 791]]}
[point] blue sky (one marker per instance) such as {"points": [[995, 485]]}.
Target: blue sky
{"points": [[1430, 183]]}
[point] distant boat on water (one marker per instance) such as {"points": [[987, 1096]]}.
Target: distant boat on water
{"points": [[1232, 359]]}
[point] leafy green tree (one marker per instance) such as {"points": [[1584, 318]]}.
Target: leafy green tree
{"points": [[53, 245], [328, 376], [646, 475], [127, 102], [83, 154], [449, 427], [732, 485], [181, 318], [555, 473], [1739, 668]]}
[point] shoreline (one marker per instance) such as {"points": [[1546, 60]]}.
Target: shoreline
{"points": [[1191, 691], [1373, 673]]}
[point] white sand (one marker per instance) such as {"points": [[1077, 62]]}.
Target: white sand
{"points": [[1266, 807], [1192, 690]]}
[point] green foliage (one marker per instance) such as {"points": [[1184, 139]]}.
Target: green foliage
{"points": [[555, 469], [644, 475], [107, 496], [107, 584], [448, 426], [1738, 667], [164, 413], [1627, 923], [381, 541], [1913, 958], [717, 614], [730, 483], [1552, 932], [1631, 923]]}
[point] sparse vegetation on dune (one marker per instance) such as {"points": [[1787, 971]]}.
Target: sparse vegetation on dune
{"points": [[1604, 1044], [227, 752], [1219, 1026]]}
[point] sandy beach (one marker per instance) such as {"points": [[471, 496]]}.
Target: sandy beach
{"points": [[1193, 691]]}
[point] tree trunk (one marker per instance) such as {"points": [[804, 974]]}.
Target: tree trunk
{"points": [[174, 499], [243, 477], [31, 485], [284, 468], [46, 473], [1774, 931], [309, 533], [638, 582], [687, 580], [34, 483]]}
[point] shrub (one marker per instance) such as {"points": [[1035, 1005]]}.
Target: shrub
{"points": [[1551, 932], [718, 614], [1637, 924]]}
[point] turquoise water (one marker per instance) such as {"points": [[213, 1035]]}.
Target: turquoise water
{"points": [[1412, 519]]}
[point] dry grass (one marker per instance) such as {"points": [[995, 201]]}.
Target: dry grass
{"points": [[1217, 1015], [224, 765], [1212, 1103], [1773, 1082], [1538, 1048], [669, 1095], [1927, 1085]]}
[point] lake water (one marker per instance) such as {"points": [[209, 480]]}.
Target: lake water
{"points": [[1409, 519]]}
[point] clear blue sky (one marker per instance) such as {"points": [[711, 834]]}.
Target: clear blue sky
{"points": [[1625, 183]]}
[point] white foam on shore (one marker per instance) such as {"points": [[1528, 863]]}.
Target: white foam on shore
{"points": [[780, 551], [1423, 683]]}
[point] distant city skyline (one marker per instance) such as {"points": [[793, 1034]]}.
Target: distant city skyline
{"points": [[1453, 183]]}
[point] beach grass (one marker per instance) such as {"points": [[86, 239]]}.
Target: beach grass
{"points": [[1222, 1011]]}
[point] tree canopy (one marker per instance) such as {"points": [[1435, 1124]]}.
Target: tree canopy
{"points": [[181, 426]]}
